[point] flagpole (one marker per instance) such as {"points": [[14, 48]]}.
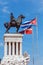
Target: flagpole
{"points": [[32, 46], [37, 41]]}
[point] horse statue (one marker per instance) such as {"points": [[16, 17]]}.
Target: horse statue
{"points": [[14, 22]]}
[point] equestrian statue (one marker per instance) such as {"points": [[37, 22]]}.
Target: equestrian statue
{"points": [[14, 22]]}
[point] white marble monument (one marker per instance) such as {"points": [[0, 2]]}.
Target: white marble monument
{"points": [[13, 50]]}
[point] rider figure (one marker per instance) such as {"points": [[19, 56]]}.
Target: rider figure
{"points": [[12, 19]]}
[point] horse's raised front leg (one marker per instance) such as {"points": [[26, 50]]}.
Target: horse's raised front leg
{"points": [[7, 30]]}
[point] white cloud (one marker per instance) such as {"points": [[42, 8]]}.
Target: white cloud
{"points": [[5, 7], [5, 10]]}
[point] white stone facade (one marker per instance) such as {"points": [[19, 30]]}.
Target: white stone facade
{"points": [[13, 50]]}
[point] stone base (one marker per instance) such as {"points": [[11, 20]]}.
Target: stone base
{"points": [[15, 60], [13, 37]]}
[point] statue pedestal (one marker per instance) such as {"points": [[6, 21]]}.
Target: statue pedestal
{"points": [[13, 50]]}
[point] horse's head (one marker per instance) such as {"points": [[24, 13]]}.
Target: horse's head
{"points": [[22, 16]]}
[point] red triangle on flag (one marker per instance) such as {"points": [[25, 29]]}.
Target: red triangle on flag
{"points": [[33, 21]]}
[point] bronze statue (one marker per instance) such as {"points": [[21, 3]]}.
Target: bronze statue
{"points": [[14, 23]]}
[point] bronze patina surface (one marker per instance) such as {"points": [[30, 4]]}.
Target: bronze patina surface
{"points": [[14, 22]]}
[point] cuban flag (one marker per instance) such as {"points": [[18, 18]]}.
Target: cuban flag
{"points": [[26, 31], [33, 21], [28, 24]]}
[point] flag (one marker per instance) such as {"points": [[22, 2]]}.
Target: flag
{"points": [[33, 21], [28, 24], [26, 31]]}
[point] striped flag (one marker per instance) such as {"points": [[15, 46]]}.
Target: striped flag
{"points": [[26, 31], [33, 21], [28, 24]]}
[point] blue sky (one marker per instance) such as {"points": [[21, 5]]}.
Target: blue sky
{"points": [[30, 9]]}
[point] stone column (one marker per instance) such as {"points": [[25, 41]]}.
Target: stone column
{"points": [[9, 48], [13, 48], [16, 48], [5, 48], [25, 62], [20, 48]]}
